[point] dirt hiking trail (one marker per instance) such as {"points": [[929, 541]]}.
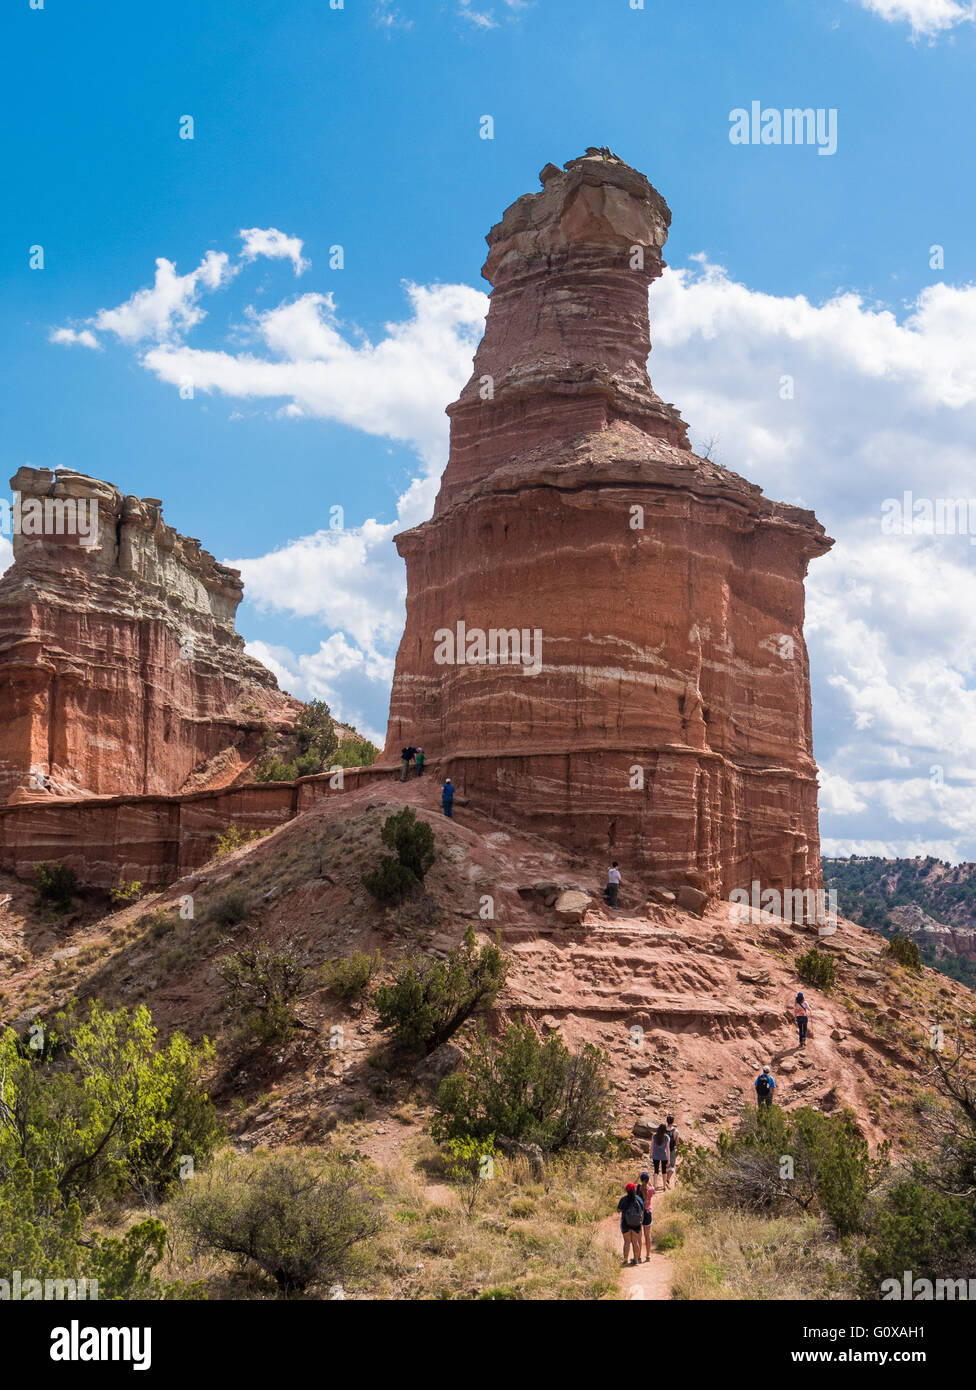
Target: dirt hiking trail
{"points": [[650, 1279]]}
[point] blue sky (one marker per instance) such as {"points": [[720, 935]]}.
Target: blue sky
{"points": [[316, 387]]}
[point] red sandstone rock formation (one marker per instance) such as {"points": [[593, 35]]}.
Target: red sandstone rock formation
{"points": [[668, 722], [120, 668]]}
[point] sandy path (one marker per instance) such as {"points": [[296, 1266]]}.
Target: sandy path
{"points": [[651, 1279]]}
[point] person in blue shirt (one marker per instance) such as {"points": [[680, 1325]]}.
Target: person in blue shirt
{"points": [[765, 1085], [447, 798]]}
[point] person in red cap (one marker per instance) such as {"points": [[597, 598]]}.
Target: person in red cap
{"points": [[631, 1210]]}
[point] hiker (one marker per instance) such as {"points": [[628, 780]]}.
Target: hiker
{"points": [[447, 798], [801, 1012], [613, 885], [420, 761], [406, 757], [646, 1193], [660, 1154], [765, 1085], [631, 1210], [672, 1149]]}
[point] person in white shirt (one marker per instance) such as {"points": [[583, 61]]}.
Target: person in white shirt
{"points": [[613, 884]]}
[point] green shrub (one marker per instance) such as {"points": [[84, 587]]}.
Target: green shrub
{"points": [[904, 951], [429, 998], [276, 769], [670, 1240], [233, 837], [391, 882], [413, 841], [101, 1106], [264, 985], [315, 731], [230, 908], [349, 977], [41, 1235], [126, 891], [301, 1220], [926, 1223], [528, 1090], [312, 743], [56, 885], [921, 1229], [817, 968], [469, 1166], [354, 752], [773, 1159]]}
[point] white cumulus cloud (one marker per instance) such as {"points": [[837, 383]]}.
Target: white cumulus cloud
{"points": [[275, 245], [928, 17]]}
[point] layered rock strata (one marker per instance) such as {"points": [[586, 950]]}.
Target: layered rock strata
{"points": [[121, 672], [658, 711]]}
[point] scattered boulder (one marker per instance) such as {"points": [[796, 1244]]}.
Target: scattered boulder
{"points": [[753, 977], [571, 905], [441, 1062], [662, 896], [514, 1148], [692, 899]]}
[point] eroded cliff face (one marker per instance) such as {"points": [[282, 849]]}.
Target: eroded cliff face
{"points": [[659, 708], [121, 672]]}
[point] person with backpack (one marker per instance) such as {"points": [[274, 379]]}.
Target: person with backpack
{"points": [[406, 757], [447, 798], [420, 761], [631, 1210], [672, 1149], [613, 885], [801, 1012], [646, 1193], [660, 1154], [765, 1085]]}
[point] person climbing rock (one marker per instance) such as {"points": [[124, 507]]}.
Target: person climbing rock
{"points": [[613, 884], [660, 1154], [672, 1149], [447, 798], [631, 1210], [406, 757], [765, 1085], [801, 1012], [646, 1193], [420, 761]]}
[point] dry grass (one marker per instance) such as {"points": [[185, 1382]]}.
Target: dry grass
{"points": [[725, 1254], [524, 1240]]}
